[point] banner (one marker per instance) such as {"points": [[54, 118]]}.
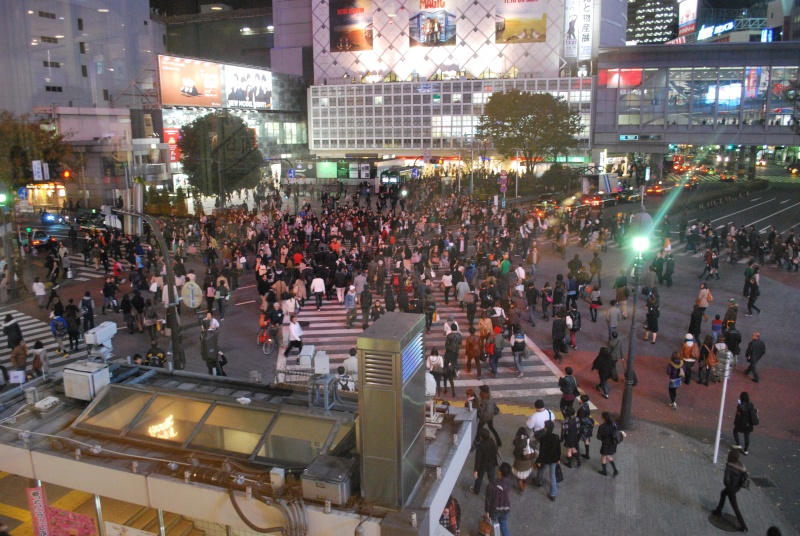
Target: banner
{"points": [[247, 88], [585, 28], [521, 21], [37, 504], [171, 137], [570, 29], [432, 23], [65, 523], [687, 17], [351, 25], [114, 529], [187, 82]]}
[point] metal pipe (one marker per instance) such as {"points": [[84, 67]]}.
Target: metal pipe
{"points": [[98, 508], [162, 529]]}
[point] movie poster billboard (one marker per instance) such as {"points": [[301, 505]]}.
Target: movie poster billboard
{"points": [[571, 28], [189, 82], [432, 23], [247, 88], [687, 17], [520, 21], [351, 25]]}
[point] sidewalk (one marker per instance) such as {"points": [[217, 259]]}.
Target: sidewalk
{"points": [[667, 485]]}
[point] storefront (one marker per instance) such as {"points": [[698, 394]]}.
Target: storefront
{"points": [[45, 196]]}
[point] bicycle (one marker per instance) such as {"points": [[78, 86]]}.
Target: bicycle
{"points": [[267, 338]]}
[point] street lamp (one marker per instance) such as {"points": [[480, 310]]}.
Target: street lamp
{"points": [[640, 244]]}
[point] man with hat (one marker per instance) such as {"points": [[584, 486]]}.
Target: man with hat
{"points": [[731, 313]]}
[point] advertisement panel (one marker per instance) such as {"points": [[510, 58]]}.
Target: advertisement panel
{"points": [[521, 22], [171, 136], [37, 504], [585, 28], [187, 82], [247, 88], [572, 10], [351, 25], [687, 17], [432, 23]]}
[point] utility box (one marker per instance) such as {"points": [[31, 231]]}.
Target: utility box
{"points": [[83, 380], [391, 407], [328, 479]]}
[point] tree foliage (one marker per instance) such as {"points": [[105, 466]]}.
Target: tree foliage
{"points": [[212, 145], [22, 140], [539, 125]]}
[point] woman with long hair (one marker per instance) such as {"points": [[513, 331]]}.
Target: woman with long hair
{"points": [[523, 457]]}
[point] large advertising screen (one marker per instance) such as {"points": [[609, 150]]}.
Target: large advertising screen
{"points": [[351, 25], [190, 82], [687, 17], [521, 22], [432, 23], [187, 82]]}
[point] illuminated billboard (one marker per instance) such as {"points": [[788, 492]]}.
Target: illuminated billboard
{"points": [[520, 22], [187, 82], [351, 25], [687, 17], [191, 82], [433, 23]]}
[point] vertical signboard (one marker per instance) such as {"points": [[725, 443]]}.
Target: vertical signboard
{"points": [[36, 167], [171, 137], [520, 22], [571, 28], [37, 504], [351, 25], [585, 29], [687, 17]]}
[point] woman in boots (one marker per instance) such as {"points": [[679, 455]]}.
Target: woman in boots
{"points": [[605, 434], [587, 424], [736, 478], [523, 457], [571, 436]]}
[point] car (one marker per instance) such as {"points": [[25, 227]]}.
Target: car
{"points": [[690, 183], [91, 222], [37, 239], [553, 198], [599, 200], [793, 169], [630, 195], [727, 176], [761, 162], [659, 189], [48, 218]]}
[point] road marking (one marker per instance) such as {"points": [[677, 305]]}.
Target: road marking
{"points": [[756, 199], [785, 201], [744, 209], [245, 302], [248, 286], [773, 214], [15, 513]]}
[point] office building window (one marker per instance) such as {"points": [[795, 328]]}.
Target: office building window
{"points": [[53, 64], [46, 39], [678, 96], [84, 71], [47, 15], [704, 95], [82, 47], [80, 25], [756, 86], [729, 99], [53, 89], [105, 95], [780, 107]]}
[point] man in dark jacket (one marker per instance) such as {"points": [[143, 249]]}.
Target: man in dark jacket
{"points": [[549, 457], [498, 499], [366, 304], [755, 351], [559, 336], [485, 459]]}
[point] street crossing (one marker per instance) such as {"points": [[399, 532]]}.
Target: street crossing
{"points": [[34, 330], [327, 331]]}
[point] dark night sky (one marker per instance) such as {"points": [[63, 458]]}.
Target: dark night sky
{"points": [[188, 7], [729, 4]]}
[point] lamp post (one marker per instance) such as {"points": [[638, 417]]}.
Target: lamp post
{"points": [[640, 226]]}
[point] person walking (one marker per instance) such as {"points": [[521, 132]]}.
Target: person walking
{"points": [[498, 499], [12, 331], [615, 353], [497, 344], [58, 326], [523, 457], [87, 310], [318, 289], [606, 434], [487, 410], [704, 298], [755, 292], [755, 351], [736, 478], [473, 350], [707, 359], [602, 364], [676, 374], [651, 319], [518, 351], [559, 334], [613, 315], [584, 415], [743, 422], [568, 385], [39, 291], [689, 353], [571, 436], [537, 419], [429, 306], [549, 457], [622, 292], [350, 300], [295, 336], [575, 318], [485, 459], [436, 367]]}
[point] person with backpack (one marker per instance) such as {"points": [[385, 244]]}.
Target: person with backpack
{"points": [[743, 422], [607, 435], [495, 348], [58, 326], [584, 415], [429, 306], [736, 478], [221, 297], [518, 349], [559, 333], [470, 303], [487, 410], [87, 310], [575, 317]]}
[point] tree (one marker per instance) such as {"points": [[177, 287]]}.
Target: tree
{"points": [[215, 145], [22, 140], [537, 125]]}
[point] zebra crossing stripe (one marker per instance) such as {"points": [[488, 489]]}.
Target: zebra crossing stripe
{"points": [[32, 330]]}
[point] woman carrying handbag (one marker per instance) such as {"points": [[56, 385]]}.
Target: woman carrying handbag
{"points": [[523, 457]]}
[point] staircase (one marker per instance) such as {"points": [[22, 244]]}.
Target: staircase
{"points": [[140, 518]]}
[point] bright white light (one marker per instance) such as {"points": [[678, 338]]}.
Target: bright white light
{"points": [[640, 243], [103, 10]]}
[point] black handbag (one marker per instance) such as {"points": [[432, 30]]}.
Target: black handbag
{"points": [[559, 473]]}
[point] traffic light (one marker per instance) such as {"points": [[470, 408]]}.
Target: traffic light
{"points": [[66, 174]]}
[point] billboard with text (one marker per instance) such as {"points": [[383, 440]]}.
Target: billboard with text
{"points": [[351, 25], [687, 17], [433, 23], [521, 22]]}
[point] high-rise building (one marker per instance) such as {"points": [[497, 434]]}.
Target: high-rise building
{"points": [[652, 22], [73, 53]]}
